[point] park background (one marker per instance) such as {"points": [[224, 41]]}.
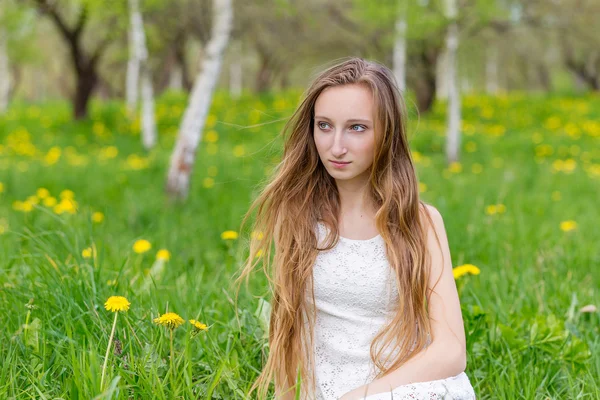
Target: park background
{"points": [[135, 134]]}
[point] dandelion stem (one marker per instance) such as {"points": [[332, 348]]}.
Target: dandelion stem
{"points": [[26, 329], [172, 358], [112, 333]]}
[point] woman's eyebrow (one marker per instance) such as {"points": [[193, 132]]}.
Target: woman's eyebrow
{"points": [[368, 121]]}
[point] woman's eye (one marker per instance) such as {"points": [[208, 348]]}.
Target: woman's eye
{"points": [[320, 124], [360, 126]]}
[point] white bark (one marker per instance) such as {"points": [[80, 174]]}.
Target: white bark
{"points": [[491, 70], [453, 130], [190, 131], [148, 120], [136, 55], [235, 71], [5, 78], [138, 71], [400, 46]]}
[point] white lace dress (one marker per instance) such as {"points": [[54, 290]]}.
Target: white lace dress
{"points": [[353, 290]]}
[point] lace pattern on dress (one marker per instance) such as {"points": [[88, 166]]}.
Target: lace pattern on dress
{"points": [[354, 291]]}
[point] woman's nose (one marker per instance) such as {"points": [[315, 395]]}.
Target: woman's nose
{"points": [[338, 148]]}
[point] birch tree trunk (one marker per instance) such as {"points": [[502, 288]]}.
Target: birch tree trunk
{"points": [[138, 65], [453, 130], [190, 131], [136, 37], [400, 46], [5, 78], [148, 116]]}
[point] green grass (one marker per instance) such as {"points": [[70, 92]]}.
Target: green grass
{"points": [[526, 338]]}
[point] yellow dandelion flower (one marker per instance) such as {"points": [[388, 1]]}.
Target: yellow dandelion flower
{"points": [[455, 167], [170, 320], [239, 150], [257, 235], [141, 246], [491, 209], [422, 187], [66, 205], [24, 206], [211, 136], [117, 303], [66, 194], [229, 235], [163, 254], [33, 199], [42, 193], [567, 226], [258, 253], [114, 304], [208, 182], [198, 325], [49, 201], [464, 270], [97, 217], [1, 187], [87, 252], [416, 156]]}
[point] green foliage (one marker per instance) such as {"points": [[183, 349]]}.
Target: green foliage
{"points": [[526, 337]]}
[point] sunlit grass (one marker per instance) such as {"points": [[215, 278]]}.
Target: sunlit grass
{"points": [[83, 217]]}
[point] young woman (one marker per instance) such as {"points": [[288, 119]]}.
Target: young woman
{"points": [[364, 302]]}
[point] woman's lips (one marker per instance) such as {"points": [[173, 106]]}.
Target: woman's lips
{"points": [[339, 164]]}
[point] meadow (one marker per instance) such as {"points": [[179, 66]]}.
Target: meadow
{"points": [[84, 216]]}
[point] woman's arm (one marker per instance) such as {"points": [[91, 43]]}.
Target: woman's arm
{"points": [[446, 355]]}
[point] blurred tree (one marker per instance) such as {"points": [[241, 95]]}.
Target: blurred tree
{"points": [[291, 35], [452, 42], [172, 28], [16, 47], [138, 59], [5, 76], [574, 23], [84, 61], [371, 24], [400, 46], [194, 117]]}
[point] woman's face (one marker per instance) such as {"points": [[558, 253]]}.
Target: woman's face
{"points": [[344, 131]]}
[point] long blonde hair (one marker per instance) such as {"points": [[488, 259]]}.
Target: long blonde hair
{"points": [[302, 193]]}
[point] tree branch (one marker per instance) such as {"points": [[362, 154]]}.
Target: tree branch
{"points": [[46, 8]]}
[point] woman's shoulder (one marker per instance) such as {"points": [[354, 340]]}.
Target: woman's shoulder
{"points": [[429, 210]]}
